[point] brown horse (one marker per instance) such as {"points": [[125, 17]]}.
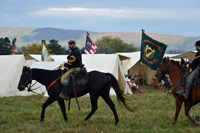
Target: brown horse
{"points": [[176, 71]]}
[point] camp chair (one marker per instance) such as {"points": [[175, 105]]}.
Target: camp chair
{"points": [[156, 84]]}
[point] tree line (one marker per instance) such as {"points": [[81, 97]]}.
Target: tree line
{"points": [[106, 45]]}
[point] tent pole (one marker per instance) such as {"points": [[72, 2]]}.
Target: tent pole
{"points": [[190, 56], [145, 76]]}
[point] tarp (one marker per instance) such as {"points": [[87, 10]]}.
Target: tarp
{"points": [[100, 62], [10, 72], [188, 55]]}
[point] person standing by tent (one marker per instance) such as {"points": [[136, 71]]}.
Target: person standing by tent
{"points": [[74, 64], [194, 65]]}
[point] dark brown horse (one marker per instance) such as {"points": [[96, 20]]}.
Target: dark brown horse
{"points": [[98, 86], [176, 71]]}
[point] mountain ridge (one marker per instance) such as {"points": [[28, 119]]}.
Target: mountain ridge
{"points": [[35, 35]]}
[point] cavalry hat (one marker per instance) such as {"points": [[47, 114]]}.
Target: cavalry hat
{"points": [[197, 43], [71, 42]]}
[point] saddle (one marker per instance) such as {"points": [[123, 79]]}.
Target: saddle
{"points": [[196, 83], [80, 79]]}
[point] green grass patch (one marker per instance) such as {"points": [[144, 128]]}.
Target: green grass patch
{"points": [[153, 113]]}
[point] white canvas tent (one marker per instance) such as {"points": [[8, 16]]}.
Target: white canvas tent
{"points": [[134, 67], [38, 57], [100, 62], [10, 72]]}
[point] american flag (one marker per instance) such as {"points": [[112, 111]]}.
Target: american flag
{"points": [[90, 47], [14, 47]]}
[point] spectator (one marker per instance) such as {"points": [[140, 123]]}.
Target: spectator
{"points": [[133, 86]]}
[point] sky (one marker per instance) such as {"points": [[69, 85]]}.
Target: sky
{"points": [[172, 17]]}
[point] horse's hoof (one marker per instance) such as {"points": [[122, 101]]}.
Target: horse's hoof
{"points": [[197, 123], [66, 120], [116, 122], [197, 118], [42, 121], [172, 124]]}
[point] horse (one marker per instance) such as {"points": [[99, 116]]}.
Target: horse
{"points": [[176, 71], [98, 85]]}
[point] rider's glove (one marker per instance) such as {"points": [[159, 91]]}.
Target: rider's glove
{"points": [[62, 65]]}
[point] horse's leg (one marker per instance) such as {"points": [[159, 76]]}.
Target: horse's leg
{"points": [[187, 109], [62, 107], [49, 101], [69, 104], [178, 107], [107, 99], [94, 107]]}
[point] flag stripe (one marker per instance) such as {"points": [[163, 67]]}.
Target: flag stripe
{"points": [[86, 52]]}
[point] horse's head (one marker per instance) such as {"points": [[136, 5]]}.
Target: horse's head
{"points": [[25, 78], [163, 68], [184, 63]]}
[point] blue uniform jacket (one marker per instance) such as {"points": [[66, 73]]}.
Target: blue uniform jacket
{"points": [[74, 59], [196, 61]]}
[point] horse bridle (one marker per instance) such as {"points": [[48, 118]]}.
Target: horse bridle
{"points": [[164, 69], [29, 81]]}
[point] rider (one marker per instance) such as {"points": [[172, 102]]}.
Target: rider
{"points": [[194, 65], [74, 64]]}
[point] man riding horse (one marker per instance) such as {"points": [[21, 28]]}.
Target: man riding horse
{"points": [[74, 64], [195, 66]]}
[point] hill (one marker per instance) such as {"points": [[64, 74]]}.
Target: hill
{"points": [[35, 35]]}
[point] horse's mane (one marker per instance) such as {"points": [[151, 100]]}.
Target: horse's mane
{"points": [[47, 73], [176, 62]]}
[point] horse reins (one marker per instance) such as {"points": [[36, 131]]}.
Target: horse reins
{"points": [[167, 69], [75, 94], [29, 88]]}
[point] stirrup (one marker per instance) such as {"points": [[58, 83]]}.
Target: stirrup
{"points": [[185, 95]]}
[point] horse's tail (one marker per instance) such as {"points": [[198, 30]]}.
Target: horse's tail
{"points": [[119, 93]]}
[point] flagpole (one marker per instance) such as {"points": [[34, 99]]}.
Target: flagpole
{"points": [[143, 30], [88, 33], [42, 49], [140, 61]]}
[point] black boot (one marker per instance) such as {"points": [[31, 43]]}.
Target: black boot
{"points": [[64, 94], [187, 90]]}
